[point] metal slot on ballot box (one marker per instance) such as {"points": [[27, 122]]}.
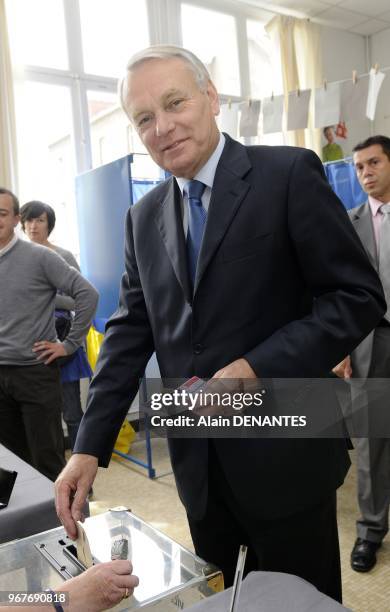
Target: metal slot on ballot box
{"points": [[171, 577], [61, 554]]}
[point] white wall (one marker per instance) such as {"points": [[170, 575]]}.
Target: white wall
{"points": [[380, 54], [342, 53]]}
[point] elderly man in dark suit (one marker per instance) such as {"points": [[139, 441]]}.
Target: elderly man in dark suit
{"points": [[235, 268], [371, 358]]}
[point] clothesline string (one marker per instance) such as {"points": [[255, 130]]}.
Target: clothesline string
{"points": [[235, 99], [359, 76]]}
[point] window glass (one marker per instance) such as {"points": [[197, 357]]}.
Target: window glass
{"points": [[264, 77], [260, 68], [216, 46], [45, 154], [112, 30], [37, 32]]}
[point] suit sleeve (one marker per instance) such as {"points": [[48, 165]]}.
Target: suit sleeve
{"points": [[347, 295], [126, 349]]}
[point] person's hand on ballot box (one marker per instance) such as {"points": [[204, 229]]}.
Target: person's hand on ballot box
{"points": [[98, 588], [71, 490]]}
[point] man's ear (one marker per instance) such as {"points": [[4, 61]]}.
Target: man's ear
{"points": [[17, 220], [213, 97]]}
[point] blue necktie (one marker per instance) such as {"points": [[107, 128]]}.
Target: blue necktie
{"points": [[196, 222]]}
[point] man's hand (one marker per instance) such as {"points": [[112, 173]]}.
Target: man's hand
{"points": [[100, 587], [236, 376], [49, 351], [236, 370], [344, 368], [71, 490]]}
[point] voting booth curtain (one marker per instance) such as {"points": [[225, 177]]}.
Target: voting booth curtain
{"points": [[343, 180], [103, 197]]}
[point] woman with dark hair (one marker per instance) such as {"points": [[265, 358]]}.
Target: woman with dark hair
{"points": [[38, 220]]}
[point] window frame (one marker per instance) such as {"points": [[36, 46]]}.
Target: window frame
{"points": [[164, 26]]}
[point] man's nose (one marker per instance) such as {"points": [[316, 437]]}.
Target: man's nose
{"points": [[366, 171], [164, 124]]}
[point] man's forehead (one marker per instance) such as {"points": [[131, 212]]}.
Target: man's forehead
{"points": [[368, 153], [168, 92]]}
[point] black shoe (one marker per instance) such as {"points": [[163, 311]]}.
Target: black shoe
{"points": [[363, 557]]}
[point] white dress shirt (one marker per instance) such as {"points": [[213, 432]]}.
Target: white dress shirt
{"points": [[206, 175]]}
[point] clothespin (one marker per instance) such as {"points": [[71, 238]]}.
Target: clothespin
{"points": [[298, 92], [229, 103], [272, 96], [249, 102], [354, 77], [376, 68], [325, 84]]}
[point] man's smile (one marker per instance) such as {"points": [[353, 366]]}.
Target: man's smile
{"points": [[175, 145]]}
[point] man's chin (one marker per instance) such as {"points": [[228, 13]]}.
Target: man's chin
{"points": [[179, 165], [179, 170]]}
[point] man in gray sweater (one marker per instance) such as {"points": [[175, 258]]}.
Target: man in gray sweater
{"points": [[30, 388]]}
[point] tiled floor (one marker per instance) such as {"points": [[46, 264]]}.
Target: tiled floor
{"points": [[156, 501]]}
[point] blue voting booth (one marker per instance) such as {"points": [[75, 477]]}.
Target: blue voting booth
{"points": [[343, 180], [103, 197]]}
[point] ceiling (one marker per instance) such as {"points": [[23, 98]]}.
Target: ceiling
{"points": [[364, 17]]}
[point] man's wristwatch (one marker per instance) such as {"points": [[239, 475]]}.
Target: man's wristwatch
{"points": [[54, 602]]}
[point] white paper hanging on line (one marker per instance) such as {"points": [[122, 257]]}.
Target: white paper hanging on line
{"points": [[298, 109], [327, 105], [249, 118], [273, 114], [353, 99], [228, 119], [376, 80]]}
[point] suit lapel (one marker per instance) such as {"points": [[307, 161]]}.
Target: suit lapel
{"points": [[362, 222], [170, 225], [227, 195]]}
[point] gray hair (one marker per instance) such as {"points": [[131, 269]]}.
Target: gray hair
{"points": [[202, 76]]}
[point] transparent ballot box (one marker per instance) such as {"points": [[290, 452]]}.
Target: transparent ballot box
{"points": [[170, 576]]}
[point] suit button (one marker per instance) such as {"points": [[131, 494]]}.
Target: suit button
{"points": [[198, 349]]}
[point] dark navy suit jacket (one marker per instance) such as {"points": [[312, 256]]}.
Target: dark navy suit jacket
{"points": [[282, 281]]}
